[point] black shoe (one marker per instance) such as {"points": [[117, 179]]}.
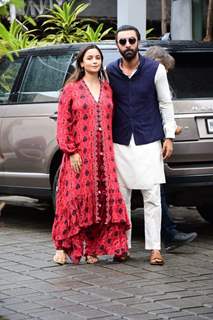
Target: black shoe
{"points": [[180, 239]]}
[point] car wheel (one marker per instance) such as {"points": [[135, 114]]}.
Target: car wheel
{"points": [[54, 188], [206, 212]]}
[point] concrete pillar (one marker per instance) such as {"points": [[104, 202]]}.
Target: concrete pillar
{"points": [[181, 20], [12, 12], [197, 19], [132, 12]]}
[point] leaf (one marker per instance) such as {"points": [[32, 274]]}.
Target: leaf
{"points": [[149, 31], [105, 33], [3, 11], [15, 38], [94, 35], [64, 20], [30, 20], [18, 3]]}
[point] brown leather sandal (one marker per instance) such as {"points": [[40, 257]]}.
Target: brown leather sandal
{"points": [[60, 257], [156, 258], [91, 259], [122, 258]]}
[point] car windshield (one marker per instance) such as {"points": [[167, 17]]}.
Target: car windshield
{"points": [[192, 76]]}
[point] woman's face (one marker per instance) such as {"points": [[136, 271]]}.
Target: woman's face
{"points": [[91, 61]]}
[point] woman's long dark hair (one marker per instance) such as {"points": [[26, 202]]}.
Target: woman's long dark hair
{"points": [[79, 72]]}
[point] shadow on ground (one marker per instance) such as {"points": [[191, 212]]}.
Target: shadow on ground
{"points": [[34, 215]]}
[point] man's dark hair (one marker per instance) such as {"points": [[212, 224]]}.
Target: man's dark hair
{"points": [[127, 27]]}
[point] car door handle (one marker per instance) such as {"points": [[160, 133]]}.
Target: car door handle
{"points": [[54, 116]]}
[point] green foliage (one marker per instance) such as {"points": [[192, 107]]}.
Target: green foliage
{"points": [[7, 79], [148, 32], [91, 35], [63, 24], [5, 5], [18, 3], [17, 37]]}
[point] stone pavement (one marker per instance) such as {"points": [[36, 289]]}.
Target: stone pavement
{"points": [[33, 287]]}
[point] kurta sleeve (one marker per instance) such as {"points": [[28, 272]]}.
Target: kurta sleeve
{"points": [[165, 102], [65, 137]]}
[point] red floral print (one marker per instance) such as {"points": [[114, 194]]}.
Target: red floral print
{"points": [[91, 216]]}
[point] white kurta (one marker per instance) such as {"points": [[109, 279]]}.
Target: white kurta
{"points": [[141, 166]]}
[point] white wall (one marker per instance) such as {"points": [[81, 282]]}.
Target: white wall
{"points": [[132, 12], [181, 20]]}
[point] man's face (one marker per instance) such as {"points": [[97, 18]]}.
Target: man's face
{"points": [[127, 44]]}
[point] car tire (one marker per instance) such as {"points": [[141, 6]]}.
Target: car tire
{"points": [[206, 212], [54, 189]]}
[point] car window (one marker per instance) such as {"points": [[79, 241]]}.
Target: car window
{"points": [[110, 55], [44, 78], [72, 66], [8, 74], [192, 75]]}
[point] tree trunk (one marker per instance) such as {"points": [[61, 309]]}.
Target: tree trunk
{"points": [[209, 22], [163, 16]]}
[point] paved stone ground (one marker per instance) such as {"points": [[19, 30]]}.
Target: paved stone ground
{"points": [[33, 287]]}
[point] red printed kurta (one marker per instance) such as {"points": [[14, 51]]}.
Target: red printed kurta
{"points": [[91, 216]]}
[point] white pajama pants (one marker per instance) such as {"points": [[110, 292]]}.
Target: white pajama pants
{"points": [[152, 215], [141, 167]]}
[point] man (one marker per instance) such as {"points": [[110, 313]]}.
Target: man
{"points": [[171, 237], [143, 117]]}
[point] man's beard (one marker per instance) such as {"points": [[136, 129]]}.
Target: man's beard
{"points": [[129, 54]]}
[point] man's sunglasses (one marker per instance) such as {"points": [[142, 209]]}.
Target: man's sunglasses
{"points": [[123, 41]]}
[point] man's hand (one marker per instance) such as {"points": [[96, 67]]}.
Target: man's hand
{"points": [[75, 160], [178, 130], [167, 149]]}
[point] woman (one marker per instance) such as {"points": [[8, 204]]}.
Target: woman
{"points": [[91, 217]]}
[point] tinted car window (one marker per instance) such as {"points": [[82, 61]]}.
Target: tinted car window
{"points": [[8, 74], [44, 78], [109, 56], [192, 76]]}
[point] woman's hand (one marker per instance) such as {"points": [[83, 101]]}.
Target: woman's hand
{"points": [[75, 160]]}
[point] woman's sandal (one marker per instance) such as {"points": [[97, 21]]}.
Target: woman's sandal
{"points": [[91, 259], [121, 258], [60, 257], [156, 258]]}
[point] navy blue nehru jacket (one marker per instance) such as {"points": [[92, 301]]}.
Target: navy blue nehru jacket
{"points": [[136, 107]]}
